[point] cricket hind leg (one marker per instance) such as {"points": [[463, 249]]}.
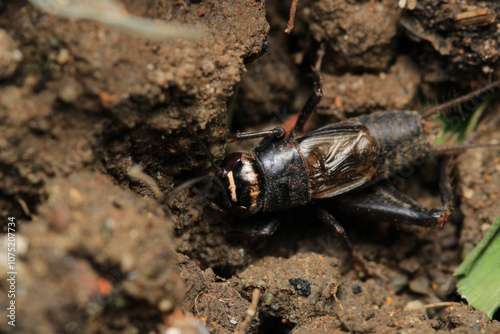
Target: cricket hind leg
{"points": [[385, 203]]}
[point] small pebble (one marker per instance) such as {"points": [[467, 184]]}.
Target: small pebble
{"points": [[357, 289], [413, 305], [62, 56], [165, 305], [302, 287], [207, 67], [420, 285], [267, 298], [410, 265], [70, 91], [398, 282]]}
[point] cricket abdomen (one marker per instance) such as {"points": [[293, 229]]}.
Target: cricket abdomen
{"points": [[402, 138]]}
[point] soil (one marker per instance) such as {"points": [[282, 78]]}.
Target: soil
{"points": [[103, 248]]}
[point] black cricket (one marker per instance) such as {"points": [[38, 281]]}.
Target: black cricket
{"points": [[346, 161]]}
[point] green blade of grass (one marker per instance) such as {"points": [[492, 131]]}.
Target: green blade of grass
{"points": [[479, 275], [453, 132]]}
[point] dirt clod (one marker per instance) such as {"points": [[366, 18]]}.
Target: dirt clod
{"points": [[302, 287]]}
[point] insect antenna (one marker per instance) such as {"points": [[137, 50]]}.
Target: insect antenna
{"points": [[203, 147], [214, 178], [205, 150], [457, 148], [467, 142], [175, 98], [455, 102], [190, 183]]}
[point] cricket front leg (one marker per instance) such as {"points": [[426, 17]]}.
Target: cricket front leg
{"points": [[273, 134], [257, 231]]}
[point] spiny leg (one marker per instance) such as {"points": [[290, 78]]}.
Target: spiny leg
{"points": [[314, 99], [385, 203], [276, 133], [445, 183], [309, 107]]}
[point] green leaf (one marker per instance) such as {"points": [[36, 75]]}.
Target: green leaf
{"points": [[479, 274], [456, 133]]}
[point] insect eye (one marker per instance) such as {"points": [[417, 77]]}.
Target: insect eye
{"points": [[231, 161]]}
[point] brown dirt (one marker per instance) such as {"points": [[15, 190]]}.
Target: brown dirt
{"points": [[81, 103]]}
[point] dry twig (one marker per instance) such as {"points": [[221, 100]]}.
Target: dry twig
{"points": [[291, 20], [251, 312], [441, 304], [137, 174]]}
